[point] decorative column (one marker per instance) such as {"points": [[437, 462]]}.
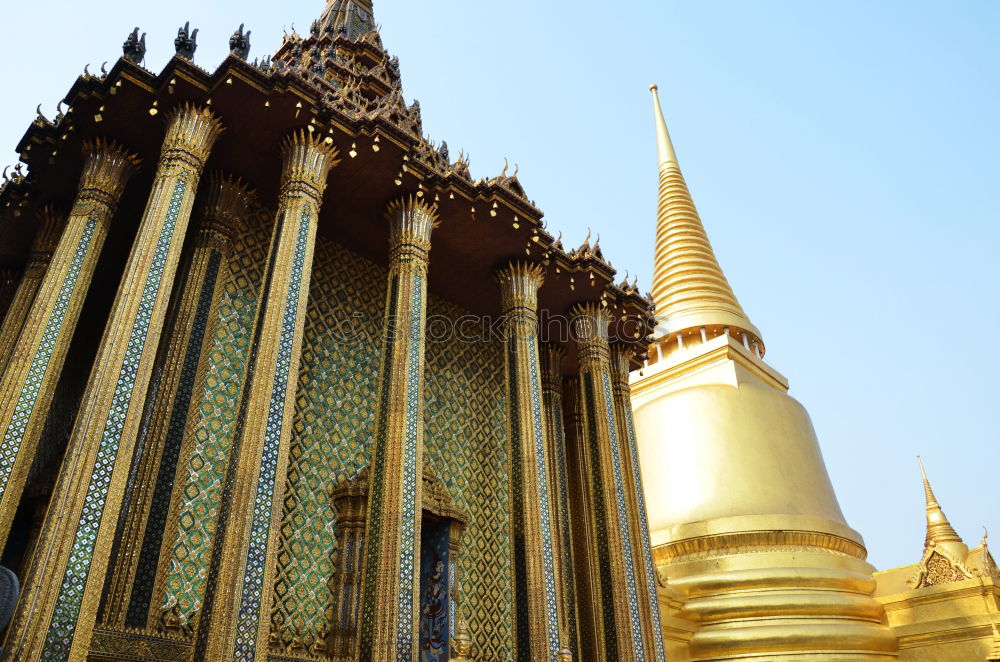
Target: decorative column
{"points": [[50, 224], [586, 582], [555, 435], [235, 620], [190, 322], [390, 582], [635, 502], [29, 381], [537, 605], [57, 611], [612, 552]]}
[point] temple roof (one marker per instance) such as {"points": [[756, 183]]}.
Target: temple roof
{"points": [[347, 88]]}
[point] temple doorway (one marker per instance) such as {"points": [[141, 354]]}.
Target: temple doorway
{"points": [[442, 526]]}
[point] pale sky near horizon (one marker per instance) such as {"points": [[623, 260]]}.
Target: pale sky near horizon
{"points": [[843, 156]]}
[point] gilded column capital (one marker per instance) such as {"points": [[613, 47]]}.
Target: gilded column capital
{"points": [[590, 328], [107, 167], [621, 360], [519, 284], [307, 162], [227, 200], [191, 133], [552, 359], [411, 222]]}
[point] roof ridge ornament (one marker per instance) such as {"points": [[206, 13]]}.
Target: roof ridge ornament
{"points": [[134, 48], [239, 43], [186, 42]]}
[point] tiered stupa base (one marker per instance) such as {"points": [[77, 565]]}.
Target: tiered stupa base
{"points": [[775, 594]]}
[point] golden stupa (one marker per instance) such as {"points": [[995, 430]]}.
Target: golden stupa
{"points": [[755, 558]]}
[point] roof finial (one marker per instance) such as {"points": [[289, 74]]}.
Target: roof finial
{"points": [[939, 529], [664, 147]]}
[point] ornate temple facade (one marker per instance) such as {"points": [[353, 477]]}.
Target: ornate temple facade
{"points": [[755, 558], [281, 381]]}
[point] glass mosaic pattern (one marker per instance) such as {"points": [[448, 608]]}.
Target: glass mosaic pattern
{"points": [[334, 423], [522, 619], [644, 533], [142, 585], [600, 516], [14, 434], [568, 585], [191, 525], [411, 477], [633, 600], [373, 534], [465, 436], [552, 612], [253, 589], [67, 607]]}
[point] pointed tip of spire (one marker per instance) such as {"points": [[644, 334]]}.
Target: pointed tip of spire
{"points": [[932, 501], [664, 147], [939, 530]]}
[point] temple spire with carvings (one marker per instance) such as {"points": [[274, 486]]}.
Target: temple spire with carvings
{"points": [[939, 530], [351, 18]]}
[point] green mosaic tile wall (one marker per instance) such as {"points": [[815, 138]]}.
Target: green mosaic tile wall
{"points": [[465, 440], [192, 521], [334, 424]]}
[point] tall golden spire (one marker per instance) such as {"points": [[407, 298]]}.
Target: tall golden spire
{"points": [[939, 529], [689, 288]]}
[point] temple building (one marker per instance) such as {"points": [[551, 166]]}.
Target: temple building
{"points": [[754, 556], [281, 381]]}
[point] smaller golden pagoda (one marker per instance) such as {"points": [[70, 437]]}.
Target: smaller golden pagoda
{"points": [[946, 606]]}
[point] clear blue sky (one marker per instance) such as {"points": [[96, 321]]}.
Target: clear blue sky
{"points": [[843, 155]]}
